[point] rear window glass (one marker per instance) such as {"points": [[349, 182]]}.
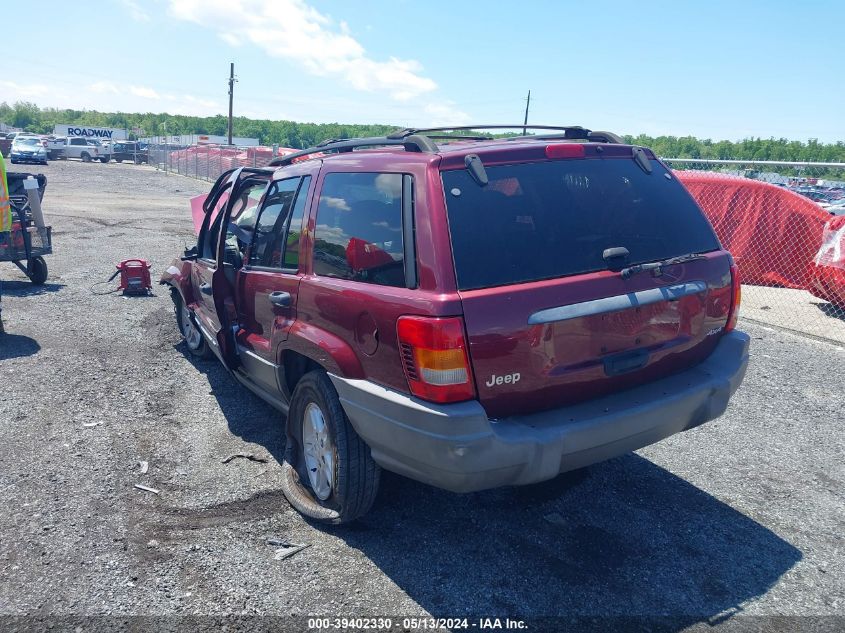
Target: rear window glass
{"points": [[552, 219]]}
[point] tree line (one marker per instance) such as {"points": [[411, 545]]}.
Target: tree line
{"points": [[32, 118]]}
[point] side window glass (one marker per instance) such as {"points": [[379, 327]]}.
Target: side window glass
{"points": [[242, 220], [271, 220], [359, 228], [209, 241], [285, 252]]}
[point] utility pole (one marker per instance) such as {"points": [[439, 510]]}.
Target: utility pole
{"points": [[525, 122], [232, 81]]}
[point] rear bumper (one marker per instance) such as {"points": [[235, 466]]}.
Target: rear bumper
{"points": [[457, 448]]}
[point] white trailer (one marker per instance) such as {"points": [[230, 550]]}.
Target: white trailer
{"points": [[87, 131]]}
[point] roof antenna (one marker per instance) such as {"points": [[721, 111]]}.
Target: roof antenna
{"points": [[525, 122]]}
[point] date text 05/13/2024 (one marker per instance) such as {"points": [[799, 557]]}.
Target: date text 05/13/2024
{"points": [[416, 624]]}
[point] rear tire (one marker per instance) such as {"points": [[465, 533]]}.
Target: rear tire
{"points": [[37, 270], [328, 471], [191, 334]]}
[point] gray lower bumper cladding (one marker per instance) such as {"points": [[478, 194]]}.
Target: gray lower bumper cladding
{"points": [[458, 448]]}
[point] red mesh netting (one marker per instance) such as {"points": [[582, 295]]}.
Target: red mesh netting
{"points": [[773, 234]]}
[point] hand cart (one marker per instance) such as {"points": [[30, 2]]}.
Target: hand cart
{"points": [[27, 243]]}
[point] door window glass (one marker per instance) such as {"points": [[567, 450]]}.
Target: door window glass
{"points": [[272, 219], [285, 251], [359, 228], [242, 220], [209, 238]]}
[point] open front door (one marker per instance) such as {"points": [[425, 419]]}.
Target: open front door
{"points": [[235, 224], [201, 302]]}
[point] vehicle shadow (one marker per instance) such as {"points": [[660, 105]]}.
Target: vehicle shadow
{"points": [[26, 288], [593, 546], [17, 346], [620, 538], [247, 415]]}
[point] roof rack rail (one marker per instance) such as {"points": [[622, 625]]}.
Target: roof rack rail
{"points": [[573, 129], [570, 132], [411, 142]]}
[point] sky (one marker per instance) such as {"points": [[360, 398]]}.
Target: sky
{"points": [[716, 69]]}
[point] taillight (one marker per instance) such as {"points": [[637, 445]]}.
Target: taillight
{"points": [[435, 359], [736, 296], [565, 150]]}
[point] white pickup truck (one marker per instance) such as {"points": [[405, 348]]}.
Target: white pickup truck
{"points": [[76, 147], [104, 147]]}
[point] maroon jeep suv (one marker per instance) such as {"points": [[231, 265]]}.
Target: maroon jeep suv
{"points": [[464, 310]]}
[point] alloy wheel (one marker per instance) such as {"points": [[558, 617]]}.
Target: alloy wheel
{"points": [[318, 450]]}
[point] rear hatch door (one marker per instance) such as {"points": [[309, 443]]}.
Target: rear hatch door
{"points": [[548, 322]]}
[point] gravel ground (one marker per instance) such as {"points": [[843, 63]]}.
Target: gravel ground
{"points": [[741, 516], [795, 310]]}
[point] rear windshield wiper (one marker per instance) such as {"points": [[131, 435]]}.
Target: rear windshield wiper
{"points": [[656, 268]]}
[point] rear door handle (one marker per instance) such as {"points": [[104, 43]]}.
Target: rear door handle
{"points": [[206, 289], [281, 299]]}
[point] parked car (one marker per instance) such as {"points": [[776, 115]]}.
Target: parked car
{"points": [[477, 314], [103, 149], [28, 149], [77, 147], [56, 147], [130, 151], [837, 208]]}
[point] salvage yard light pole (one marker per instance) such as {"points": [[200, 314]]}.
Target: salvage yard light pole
{"points": [[232, 81]]}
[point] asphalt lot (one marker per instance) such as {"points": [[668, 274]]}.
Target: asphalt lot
{"points": [[744, 516]]}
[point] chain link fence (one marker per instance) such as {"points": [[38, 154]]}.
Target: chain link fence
{"points": [[784, 223], [207, 162]]}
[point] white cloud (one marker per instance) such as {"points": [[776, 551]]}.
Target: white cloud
{"points": [[445, 113], [104, 87], [292, 30], [107, 87], [205, 103], [106, 96], [24, 91], [135, 11], [144, 92], [231, 39]]}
